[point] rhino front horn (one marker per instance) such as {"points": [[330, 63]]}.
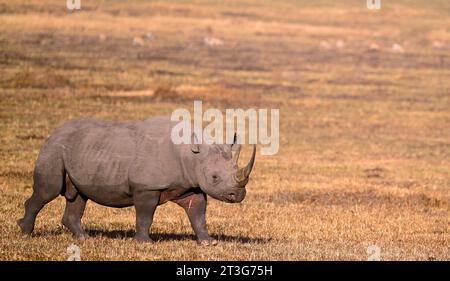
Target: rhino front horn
{"points": [[243, 173]]}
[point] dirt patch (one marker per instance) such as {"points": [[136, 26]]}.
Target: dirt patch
{"points": [[36, 80], [376, 172], [30, 137], [17, 174], [369, 198], [167, 93]]}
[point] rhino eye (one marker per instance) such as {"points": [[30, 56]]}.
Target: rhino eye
{"points": [[216, 179]]}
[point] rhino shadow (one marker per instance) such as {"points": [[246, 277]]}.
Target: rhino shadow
{"points": [[121, 234]]}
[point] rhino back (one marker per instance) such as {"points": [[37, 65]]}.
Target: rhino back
{"points": [[105, 158], [98, 153], [157, 164]]}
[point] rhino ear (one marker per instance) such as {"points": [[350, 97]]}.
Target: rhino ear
{"points": [[195, 147]]}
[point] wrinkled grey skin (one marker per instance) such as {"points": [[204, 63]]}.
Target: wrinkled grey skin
{"points": [[134, 163]]}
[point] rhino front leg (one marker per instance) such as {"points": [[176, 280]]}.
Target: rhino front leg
{"points": [[195, 207], [145, 203]]}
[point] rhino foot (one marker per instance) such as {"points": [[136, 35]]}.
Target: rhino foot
{"points": [[75, 228], [208, 242], [80, 235], [142, 239], [26, 228]]}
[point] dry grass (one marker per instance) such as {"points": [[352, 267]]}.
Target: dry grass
{"points": [[365, 134]]}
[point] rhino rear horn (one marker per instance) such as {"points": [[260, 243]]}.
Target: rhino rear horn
{"points": [[235, 149]]}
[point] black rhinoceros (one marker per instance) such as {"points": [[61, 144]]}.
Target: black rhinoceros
{"points": [[134, 163]]}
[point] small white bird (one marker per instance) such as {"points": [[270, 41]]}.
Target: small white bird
{"points": [[324, 45], [138, 41], [397, 48], [340, 44], [374, 47], [150, 36], [437, 44], [212, 42]]}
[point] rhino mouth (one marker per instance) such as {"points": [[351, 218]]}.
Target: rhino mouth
{"points": [[229, 198], [233, 197]]}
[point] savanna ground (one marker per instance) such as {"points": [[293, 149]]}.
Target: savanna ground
{"points": [[364, 153]]}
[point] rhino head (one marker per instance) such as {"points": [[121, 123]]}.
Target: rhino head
{"points": [[218, 173]]}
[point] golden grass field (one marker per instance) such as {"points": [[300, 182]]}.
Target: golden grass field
{"points": [[364, 153]]}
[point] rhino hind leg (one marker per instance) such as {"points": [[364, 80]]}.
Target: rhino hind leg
{"points": [[75, 205], [48, 184], [145, 203], [195, 207]]}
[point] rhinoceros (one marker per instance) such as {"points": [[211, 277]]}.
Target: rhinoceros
{"points": [[133, 163]]}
